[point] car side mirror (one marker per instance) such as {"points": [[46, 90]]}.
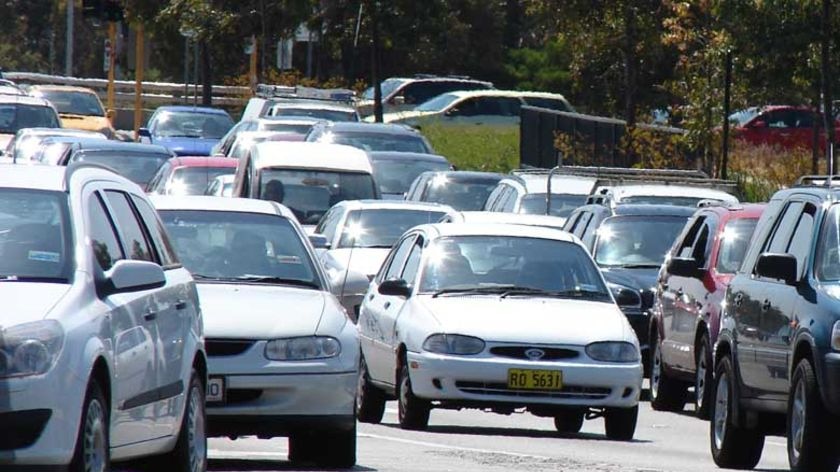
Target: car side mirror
{"points": [[683, 267], [144, 133], [132, 276], [777, 266], [398, 101], [319, 241], [395, 288]]}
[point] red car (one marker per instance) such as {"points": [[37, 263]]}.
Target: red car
{"points": [[686, 312], [782, 126], [189, 175]]}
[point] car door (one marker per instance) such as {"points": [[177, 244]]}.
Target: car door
{"points": [[132, 415], [374, 339]]}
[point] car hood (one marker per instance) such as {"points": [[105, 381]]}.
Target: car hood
{"points": [[361, 259], [99, 124], [29, 301], [188, 146], [245, 311], [639, 279], [526, 319]]}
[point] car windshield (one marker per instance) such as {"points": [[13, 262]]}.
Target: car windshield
{"points": [[238, 246], [827, 267], [509, 264], [742, 117], [14, 116], [187, 124], [561, 204], [396, 175], [462, 194], [35, 239], [320, 113], [300, 129], [380, 228], [673, 200], [74, 103], [437, 104], [309, 193], [136, 167], [194, 180], [388, 87], [734, 242], [635, 240], [378, 141]]}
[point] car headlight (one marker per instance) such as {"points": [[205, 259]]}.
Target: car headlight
{"points": [[625, 296], [835, 336], [30, 348], [302, 348], [453, 344], [613, 351]]}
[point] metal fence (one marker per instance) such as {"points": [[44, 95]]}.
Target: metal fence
{"points": [[599, 137]]}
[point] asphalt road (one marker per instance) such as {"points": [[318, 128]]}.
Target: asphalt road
{"points": [[473, 441]]}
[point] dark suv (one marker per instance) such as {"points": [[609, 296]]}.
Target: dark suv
{"points": [[629, 243], [686, 312], [777, 358]]}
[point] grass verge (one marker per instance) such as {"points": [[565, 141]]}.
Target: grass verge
{"points": [[476, 147]]}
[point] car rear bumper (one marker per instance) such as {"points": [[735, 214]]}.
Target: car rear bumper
{"points": [[476, 380]]}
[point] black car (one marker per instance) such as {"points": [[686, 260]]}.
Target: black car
{"points": [[629, 243], [137, 162], [462, 190], [777, 358], [395, 171], [371, 136]]}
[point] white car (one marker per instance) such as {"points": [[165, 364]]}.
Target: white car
{"points": [[546, 221], [283, 355], [359, 234], [526, 192], [497, 317], [101, 345], [659, 194], [220, 186]]}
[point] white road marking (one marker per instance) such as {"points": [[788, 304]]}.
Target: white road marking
{"points": [[452, 448]]}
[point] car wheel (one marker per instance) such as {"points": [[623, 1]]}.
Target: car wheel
{"points": [[666, 394], [809, 431], [190, 453], [303, 447], [370, 401], [92, 444], [620, 423], [412, 412], [569, 421], [703, 378], [324, 449], [732, 447]]}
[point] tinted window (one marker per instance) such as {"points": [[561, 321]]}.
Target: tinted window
{"points": [[462, 194], [550, 103], [15, 116], [194, 180], [396, 175], [74, 103], [382, 227], [157, 233], [437, 104], [34, 235], [412, 263], [636, 240], [136, 167], [734, 242], [133, 238], [320, 113], [800, 242], [186, 124], [784, 228], [106, 246], [396, 266], [379, 141], [329, 223], [561, 204], [664, 200], [828, 250]]}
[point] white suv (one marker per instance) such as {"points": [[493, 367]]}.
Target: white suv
{"points": [[101, 345]]}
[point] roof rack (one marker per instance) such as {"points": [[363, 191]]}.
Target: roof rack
{"points": [[816, 181], [306, 93]]}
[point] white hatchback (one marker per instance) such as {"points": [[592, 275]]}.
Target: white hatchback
{"points": [[283, 355], [497, 317]]}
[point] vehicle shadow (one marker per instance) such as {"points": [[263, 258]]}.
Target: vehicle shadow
{"points": [[237, 465], [513, 432]]}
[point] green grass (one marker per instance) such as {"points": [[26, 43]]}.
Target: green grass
{"points": [[476, 147]]}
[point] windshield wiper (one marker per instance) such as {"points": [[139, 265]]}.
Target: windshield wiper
{"points": [[474, 289], [270, 279], [649, 265], [577, 293]]}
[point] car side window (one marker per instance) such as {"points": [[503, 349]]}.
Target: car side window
{"points": [[685, 249], [494, 196], [165, 250], [103, 238], [780, 237], [510, 200], [330, 225], [571, 223], [800, 241], [397, 260], [412, 262], [700, 250], [133, 238], [583, 224]]}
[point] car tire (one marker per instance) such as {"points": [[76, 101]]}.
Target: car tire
{"points": [[190, 453], [412, 412], [92, 452], [324, 449], [303, 447], [732, 447], [703, 378], [370, 401], [666, 394], [809, 425], [569, 421], [620, 423]]}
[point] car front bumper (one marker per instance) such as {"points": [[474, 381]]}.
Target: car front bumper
{"points": [[831, 382], [477, 380]]}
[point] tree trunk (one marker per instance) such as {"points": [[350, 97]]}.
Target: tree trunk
{"points": [[630, 66], [815, 137], [206, 75], [825, 76]]}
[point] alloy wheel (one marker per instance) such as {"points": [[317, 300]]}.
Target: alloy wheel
{"points": [[721, 417], [656, 371], [700, 377], [94, 451], [797, 420], [196, 431]]}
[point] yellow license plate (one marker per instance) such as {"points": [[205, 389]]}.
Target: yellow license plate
{"points": [[530, 379]]}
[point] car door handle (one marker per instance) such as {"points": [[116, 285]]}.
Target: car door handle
{"points": [[680, 292], [181, 305], [738, 299], [766, 305], [150, 315], [387, 305], [371, 296]]}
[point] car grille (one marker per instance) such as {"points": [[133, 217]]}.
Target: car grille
{"points": [[227, 347], [519, 352], [568, 392]]}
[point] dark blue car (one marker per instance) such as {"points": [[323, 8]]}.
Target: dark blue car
{"points": [[187, 130]]}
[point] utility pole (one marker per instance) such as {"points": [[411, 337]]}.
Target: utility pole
{"points": [[253, 66], [727, 87], [139, 57], [68, 55], [112, 63]]}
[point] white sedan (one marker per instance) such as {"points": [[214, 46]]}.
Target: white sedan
{"points": [[496, 317], [282, 353]]}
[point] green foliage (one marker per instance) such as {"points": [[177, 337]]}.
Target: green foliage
{"points": [[476, 147], [544, 68]]}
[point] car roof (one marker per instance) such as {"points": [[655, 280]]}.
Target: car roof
{"points": [[624, 191], [441, 78], [92, 144], [560, 184], [55, 132], [461, 175], [505, 93], [193, 109], [633, 209], [25, 100], [289, 154], [392, 205], [208, 203], [60, 88], [363, 127], [203, 161], [312, 105], [289, 119], [495, 229], [510, 218], [736, 211], [55, 178], [409, 156]]}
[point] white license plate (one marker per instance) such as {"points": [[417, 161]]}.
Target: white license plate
{"points": [[215, 390]]}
